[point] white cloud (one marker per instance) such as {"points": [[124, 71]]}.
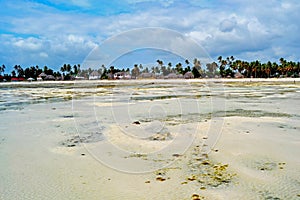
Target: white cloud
{"points": [[154, 38], [229, 27], [165, 3], [75, 39], [78, 3], [32, 44], [43, 55]]}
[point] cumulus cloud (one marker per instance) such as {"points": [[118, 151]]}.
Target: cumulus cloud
{"points": [[239, 28], [152, 38], [78, 3], [32, 44], [43, 55], [227, 25], [162, 2]]}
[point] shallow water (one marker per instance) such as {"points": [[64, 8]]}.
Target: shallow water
{"points": [[144, 139]]}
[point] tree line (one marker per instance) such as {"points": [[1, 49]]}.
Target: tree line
{"points": [[223, 68]]}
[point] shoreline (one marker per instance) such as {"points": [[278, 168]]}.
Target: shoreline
{"points": [[210, 80]]}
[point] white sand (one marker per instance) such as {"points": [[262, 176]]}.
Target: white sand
{"points": [[252, 128]]}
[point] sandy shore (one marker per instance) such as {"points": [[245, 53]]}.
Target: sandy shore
{"points": [[222, 80], [168, 140]]}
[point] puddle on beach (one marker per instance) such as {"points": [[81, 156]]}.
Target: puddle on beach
{"points": [[149, 140]]}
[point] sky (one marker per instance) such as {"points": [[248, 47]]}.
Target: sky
{"points": [[54, 32]]}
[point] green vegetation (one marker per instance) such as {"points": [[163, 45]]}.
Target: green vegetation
{"points": [[224, 68]]}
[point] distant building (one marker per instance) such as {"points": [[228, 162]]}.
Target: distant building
{"points": [[80, 76], [146, 75], [49, 78], [122, 75], [188, 75], [238, 75], [172, 76], [94, 75], [42, 75], [14, 79]]}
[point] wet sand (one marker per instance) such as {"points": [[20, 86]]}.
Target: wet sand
{"points": [[149, 139]]}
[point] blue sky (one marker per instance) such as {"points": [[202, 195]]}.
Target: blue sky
{"points": [[53, 32]]}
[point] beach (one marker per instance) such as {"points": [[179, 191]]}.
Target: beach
{"points": [[150, 139]]}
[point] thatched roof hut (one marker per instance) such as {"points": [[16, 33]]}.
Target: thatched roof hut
{"points": [[94, 75], [188, 75], [49, 78]]}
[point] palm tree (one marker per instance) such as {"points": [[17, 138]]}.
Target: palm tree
{"points": [[160, 63], [223, 64], [111, 72], [170, 67], [153, 70], [274, 68], [45, 69], [13, 73], [211, 68], [135, 71], [141, 67], [257, 70], [69, 68], [146, 70], [75, 68], [2, 69], [157, 70], [187, 62], [16, 67], [282, 65], [269, 68], [179, 68], [246, 69], [63, 68], [197, 64], [78, 68], [19, 70], [220, 59], [230, 61], [297, 68]]}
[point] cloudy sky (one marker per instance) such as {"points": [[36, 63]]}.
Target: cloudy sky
{"points": [[53, 32]]}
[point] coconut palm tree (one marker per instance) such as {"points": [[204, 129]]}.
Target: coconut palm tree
{"points": [[197, 64], [169, 69], [69, 68], [2, 69], [223, 64], [178, 68], [187, 62], [160, 63], [19, 70], [63, 68], [135, 72], [75, 68], [282, 66], [141, 67], [13, 73], [153, 70]]}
